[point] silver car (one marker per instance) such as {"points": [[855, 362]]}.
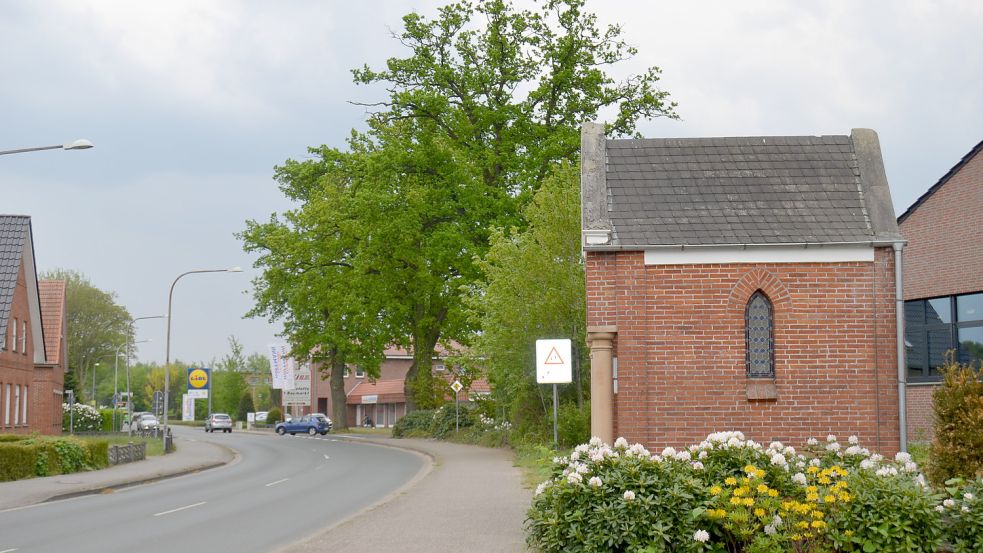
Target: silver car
{"points": [[145, 422], [218, 421]]}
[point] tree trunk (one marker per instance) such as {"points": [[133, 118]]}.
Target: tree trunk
{"points": [[418, 386], [339, 402]]}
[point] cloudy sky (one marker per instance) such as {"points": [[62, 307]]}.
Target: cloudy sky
{"points": [[191, 104]]}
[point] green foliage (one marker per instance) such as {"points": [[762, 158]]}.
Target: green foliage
{"points": [[384, 245], [228, 387], [245, 405], [96, 324], [533, 288], [962, 515], [573, 425], [415, 424], [106, 420], [446, 419], [17, 460], [957, 450], [274, 416]]}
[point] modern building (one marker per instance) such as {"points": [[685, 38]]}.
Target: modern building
{"points": [[30, 381], [743, 283], [943, 282]]}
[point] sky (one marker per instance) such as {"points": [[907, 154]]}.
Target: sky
{"points": [[192, 104]]}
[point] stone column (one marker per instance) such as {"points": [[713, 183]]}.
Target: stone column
{"points": [[600, 339]]}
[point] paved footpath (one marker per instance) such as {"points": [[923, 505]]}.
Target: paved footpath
{"points": [[472, 501]]}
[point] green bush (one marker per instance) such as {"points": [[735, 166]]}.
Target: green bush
{"points": [[729, 494], [96, 453], [962, 513], [446, 420], [106, 420], [572, 424], [12, 438], [957, 451], [417, 423], [274, 416], [17, 460]]}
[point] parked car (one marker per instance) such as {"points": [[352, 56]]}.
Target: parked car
{"points": [[145, 422], [218, 421], [310, 424], [261, 416]]}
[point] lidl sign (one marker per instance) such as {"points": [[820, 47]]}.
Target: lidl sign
{"points": [[199, 382]]}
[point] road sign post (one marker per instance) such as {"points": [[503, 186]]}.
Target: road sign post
{"points": [[553, 366], [456, 386], [71, 411]]}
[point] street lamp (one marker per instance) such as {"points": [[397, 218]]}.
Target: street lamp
{"points": [[95, 367], [116, 375], [80, 144], [167, 347], [129, 393]]}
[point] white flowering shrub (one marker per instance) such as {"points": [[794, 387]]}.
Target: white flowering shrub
{"points": [[731, 494], [962, 515], [86, 417]]}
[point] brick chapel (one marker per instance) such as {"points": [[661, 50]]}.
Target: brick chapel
{"points": [[744, 283]]}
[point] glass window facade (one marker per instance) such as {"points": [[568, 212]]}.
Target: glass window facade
{"points": [[937, 325]]}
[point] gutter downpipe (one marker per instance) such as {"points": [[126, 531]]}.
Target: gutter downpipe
{"points": [[902, 372]]}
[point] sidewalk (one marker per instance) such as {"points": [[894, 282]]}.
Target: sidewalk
{"points": [[472, 501], [191, 456]]}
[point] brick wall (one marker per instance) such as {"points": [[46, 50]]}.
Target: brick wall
{"points": [[944, 234], [680, 349], [920, 412], [17, 368]]}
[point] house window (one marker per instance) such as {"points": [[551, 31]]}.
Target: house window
{"points": [[439, 367], [23, 417], [16, 404], [6, 406], [759, 339], [359, 373], [937, 325], [23, 337], [14, 340], [3, 339]]}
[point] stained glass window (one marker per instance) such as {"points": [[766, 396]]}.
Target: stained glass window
{"points": [[760, 347]]}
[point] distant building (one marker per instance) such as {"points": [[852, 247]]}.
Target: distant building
{"points": [[383, 400], [32, 366], [943, 282], [743, 283]]}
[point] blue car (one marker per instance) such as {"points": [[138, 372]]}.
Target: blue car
{"points": [[309, 424]]}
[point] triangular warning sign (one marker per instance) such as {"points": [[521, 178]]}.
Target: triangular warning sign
{"points": [[553, 358]]}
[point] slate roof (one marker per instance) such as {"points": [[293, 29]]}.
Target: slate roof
{"points": [[739, 190], [52, 293], [14, 230]]}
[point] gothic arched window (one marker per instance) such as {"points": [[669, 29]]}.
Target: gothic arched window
{"points": [[760, 324]]}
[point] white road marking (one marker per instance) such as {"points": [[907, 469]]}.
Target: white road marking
{"points": [[8, 550], [277, 482], [326, 457], [180, 509]]}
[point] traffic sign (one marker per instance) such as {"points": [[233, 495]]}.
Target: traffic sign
{"points": [[553, 362], [456, 386]]}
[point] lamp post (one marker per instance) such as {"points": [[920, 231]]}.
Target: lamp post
{"points": [[95, 367], [167, 347], [80, 144], [116, 375], [129, 393]]}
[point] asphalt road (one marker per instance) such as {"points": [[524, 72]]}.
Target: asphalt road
{"points": [[282, 489]]}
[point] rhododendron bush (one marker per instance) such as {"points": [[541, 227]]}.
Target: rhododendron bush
{"points": [[731, 494]]}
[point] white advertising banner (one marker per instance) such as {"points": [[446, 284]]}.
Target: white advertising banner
{"points": [[300, 394], [281, 367], [187, 408]]}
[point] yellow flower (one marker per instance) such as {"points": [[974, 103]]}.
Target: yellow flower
{"points": [[748, 501], [817, 514], [818, 524], [772, 493], [811, 489], [716, 490], [759, 512], [802, 524], [814, 497], [812, 470], [849, 532], [845, 497], [829, 498], [731, 481], [824, 480], [735, 501], [751, 470], [738, 492], [762, 488]]}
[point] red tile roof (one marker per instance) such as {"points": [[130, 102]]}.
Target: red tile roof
{"points": [[52, 295]]}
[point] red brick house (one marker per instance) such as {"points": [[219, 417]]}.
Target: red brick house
{"points": [[744, 284], [49, 378], [29, 388], [943, 275], [383, 400]]}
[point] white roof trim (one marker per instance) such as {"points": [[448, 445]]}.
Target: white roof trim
{"points": [[760, 254]]}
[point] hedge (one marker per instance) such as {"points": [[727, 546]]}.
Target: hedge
{"points": [[30, 456]]}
